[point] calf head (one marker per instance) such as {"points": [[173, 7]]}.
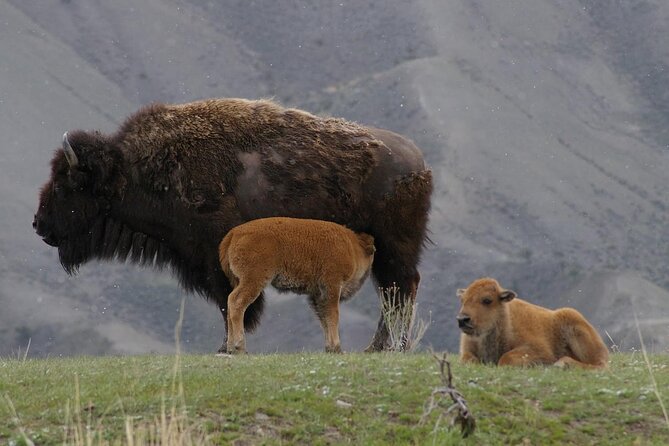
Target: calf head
{"points": [[483, 306]]}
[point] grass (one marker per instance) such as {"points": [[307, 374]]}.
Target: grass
{"points": [[317, 399]]}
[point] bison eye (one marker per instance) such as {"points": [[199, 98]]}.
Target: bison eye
{"points": [[486, 301]]}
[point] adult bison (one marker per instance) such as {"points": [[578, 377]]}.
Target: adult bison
{"points": [[169, 184]]}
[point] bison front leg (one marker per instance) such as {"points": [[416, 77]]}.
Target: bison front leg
{"points": [[407, 284], [238, 301], [399, 238]]}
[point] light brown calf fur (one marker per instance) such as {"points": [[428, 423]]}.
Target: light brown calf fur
{"points": [[324, 260], [499, 328]]}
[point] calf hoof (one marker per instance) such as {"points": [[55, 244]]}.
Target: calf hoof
{"points": [[561, 364], [236, 351]]}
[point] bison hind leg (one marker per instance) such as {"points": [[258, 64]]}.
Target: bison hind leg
{"points": [[253, 313]]}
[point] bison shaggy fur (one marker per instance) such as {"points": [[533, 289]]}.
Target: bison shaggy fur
{"points": [[324, 260], [499, 328], [174, 178]]}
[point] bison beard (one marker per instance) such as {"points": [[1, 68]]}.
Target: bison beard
{"points": [[174, 179]]}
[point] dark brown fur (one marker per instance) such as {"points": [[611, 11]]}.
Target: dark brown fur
{"points": [[174, 178]]}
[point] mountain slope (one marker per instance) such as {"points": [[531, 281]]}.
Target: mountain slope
{"points": [[543, 123]]}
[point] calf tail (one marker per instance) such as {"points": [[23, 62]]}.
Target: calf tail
{"points": [[224, 259]]}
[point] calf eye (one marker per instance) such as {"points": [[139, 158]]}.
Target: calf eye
{"points": [[486, 301]]}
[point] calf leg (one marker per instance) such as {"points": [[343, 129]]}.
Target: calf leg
{"points": [[568, 361], [224, 346], [326, 306], [587, 350], [524, 356], [469, 357], [241, 297]]}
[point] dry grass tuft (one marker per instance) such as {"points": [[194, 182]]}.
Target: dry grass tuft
{"points": [[405, 333], [172, 427], [650, 371]]}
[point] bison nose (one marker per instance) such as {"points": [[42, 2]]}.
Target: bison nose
{"points": [[39, 225], [463, 320]]}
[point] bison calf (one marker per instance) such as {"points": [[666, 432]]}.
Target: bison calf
{"points": [[324, 260], [501, 329]]}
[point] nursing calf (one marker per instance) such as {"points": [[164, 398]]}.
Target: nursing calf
{"points": [[499, 328], [323, 260]]}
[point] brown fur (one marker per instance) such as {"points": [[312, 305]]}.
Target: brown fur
{"points": [[175, 177], [499, 328], [324, 260]]}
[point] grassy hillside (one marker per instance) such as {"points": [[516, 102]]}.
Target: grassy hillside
{"points": [[325, 399]]}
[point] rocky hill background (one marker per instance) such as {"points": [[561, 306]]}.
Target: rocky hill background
{"points": [[545, 124]]}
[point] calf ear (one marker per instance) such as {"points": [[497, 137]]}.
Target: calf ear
{"points": [[507, 295], [460, 292]]}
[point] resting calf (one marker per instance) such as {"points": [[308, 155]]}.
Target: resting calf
{"points": [[499, 328], [324, 260]]}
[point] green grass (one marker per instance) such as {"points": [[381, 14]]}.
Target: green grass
{"points": [[292, 399]]}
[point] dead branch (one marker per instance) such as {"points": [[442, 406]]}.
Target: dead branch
{"points": [[462, 416]]}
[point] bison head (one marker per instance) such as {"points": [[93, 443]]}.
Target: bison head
{"points": [[76, 199], [483, 306]]}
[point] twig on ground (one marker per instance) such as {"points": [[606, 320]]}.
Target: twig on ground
{"points": [[463, 416]]}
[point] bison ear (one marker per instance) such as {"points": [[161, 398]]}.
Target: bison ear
{"points": [[460, 292], [507, 295]]}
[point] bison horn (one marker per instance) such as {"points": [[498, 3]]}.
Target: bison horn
{"points": [[69, 152]]}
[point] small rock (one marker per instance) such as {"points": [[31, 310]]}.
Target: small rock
{"points": [[261, 416], [343, 404]]}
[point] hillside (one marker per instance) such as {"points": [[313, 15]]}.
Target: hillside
{"points": [[326, 399], [544, 124]]}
